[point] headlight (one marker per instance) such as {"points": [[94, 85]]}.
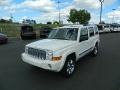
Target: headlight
{"points": [[49, 54]]}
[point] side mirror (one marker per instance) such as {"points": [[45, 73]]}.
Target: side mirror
{"points": [[83, 38]]}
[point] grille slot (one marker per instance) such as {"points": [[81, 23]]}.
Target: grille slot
{"points": [[37, 53]]}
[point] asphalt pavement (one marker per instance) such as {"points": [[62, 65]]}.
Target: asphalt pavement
{"points": [[93, 73]]}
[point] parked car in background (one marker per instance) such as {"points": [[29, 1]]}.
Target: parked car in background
{"points": [[44, 31], [100, 27], [27, 32], [3, 38], [115, 27]]}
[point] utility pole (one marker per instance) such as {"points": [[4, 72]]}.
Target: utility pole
{"points": [[11, 17], [59, 9], [101, 2], [113, 18]]}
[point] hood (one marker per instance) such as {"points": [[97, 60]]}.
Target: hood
{"points": [[2, 35], [51, 44]]}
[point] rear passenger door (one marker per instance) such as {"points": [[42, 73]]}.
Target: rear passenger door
{"points": [[83, 42], [92, 37]]}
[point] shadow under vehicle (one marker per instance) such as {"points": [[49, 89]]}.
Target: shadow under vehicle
{"points": [[27, 32]]}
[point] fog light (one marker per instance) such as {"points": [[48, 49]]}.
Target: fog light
{"points": [[49, 65]]}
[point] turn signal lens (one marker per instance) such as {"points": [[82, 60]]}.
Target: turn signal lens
{"points": [[56, 58]]}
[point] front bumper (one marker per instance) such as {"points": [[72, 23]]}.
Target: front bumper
{"points": [[45, 64], [5, 40]]}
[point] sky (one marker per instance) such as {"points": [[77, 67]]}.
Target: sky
{"points": [[47, 10]]}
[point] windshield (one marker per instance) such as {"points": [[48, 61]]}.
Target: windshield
{"points": [[64, 33], [27, 29]]}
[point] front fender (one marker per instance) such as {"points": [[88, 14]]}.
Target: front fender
{"points": [[64, 56]]}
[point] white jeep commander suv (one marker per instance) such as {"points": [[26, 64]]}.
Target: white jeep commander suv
{"points": [[63, 47]]}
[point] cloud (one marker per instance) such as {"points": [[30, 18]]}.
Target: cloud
{"points": [[5, 2], [42, 5], [48, 9], [11, 8], [113, 14], [8, 5], [91, 4], [109, 2], [86, 3], [5, 17]]}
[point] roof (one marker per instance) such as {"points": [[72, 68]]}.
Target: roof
{"points": [[77, 26], [72, 26]]}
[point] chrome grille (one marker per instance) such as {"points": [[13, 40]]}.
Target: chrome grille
{"points": [[37, 53]]}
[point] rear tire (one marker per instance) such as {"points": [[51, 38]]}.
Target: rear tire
{"points": [[69, 67], [95, 50]]}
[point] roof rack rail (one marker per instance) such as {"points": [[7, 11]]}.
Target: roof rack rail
{"points": [[73, 25]]}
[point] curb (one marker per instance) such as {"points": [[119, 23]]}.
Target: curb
{"points": [[109, 32]]}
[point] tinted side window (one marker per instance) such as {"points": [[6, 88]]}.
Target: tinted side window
{"points": [[84, 34], [96, 30], [91, 31]]}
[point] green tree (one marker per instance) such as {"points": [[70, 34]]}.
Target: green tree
{"points": [[56, 22], [49, 23], [81, 16], [6, 21], [73, 16], [10, 21]]}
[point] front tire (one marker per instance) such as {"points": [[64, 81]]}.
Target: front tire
{"points": [[69, 67]]}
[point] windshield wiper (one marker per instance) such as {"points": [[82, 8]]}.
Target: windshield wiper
{"points": [[65, 39], [59, 38]]}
